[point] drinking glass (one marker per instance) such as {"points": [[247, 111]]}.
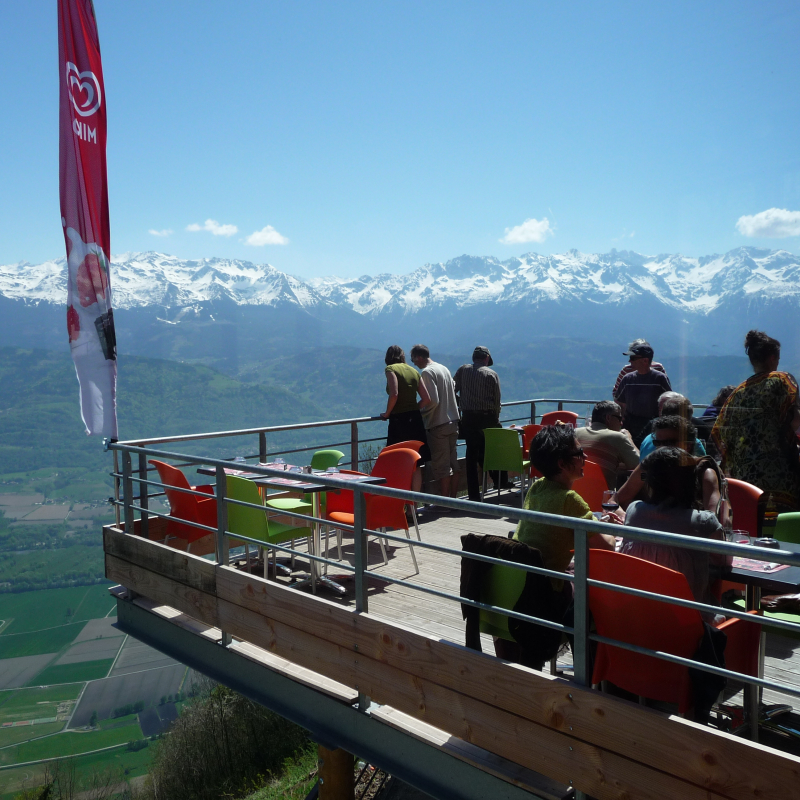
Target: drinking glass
{"points": [[740, 537], [332, 470], [610, 502], [280, 463]]}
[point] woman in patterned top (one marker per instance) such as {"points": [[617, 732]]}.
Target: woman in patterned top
{"points": [[755, 430]]}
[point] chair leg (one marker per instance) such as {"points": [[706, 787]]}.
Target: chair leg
{"points": [[291, 561], [483, 489], [247, 558], [339, 542], [383, 550], [411, 548], [414, 517]]}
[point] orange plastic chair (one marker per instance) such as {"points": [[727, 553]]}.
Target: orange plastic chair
{"points": [[592, 485], [415, 445], [551, 417], [528, 432], [185, 506], [655, 625], [397, 467], [744, 499]]}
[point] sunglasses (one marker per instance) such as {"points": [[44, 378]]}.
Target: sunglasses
{"points": [[672, 442]]}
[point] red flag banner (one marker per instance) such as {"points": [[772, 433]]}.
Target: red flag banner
{"points": [[84, 214]]}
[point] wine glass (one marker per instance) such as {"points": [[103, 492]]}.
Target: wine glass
{"points": [[610, 502]]}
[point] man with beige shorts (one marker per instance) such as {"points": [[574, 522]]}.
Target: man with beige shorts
{"points": [[440, 416]]}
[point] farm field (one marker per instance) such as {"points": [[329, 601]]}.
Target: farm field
{"points": [[25, 704], [24, 612], [66, 673], [9, 736]]}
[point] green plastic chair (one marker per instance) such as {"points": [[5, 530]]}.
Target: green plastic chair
{"points": [[501, 587], [252, 522], [503, 451]]}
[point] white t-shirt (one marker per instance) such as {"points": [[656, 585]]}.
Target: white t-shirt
{"points": [[443, 407]]}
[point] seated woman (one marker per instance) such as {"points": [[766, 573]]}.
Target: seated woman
{"points": [[671, 476], [675, 405], [556, 454], [710, 491]]}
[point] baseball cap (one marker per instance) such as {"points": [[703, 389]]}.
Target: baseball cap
{"points": [[640, 348], [479, 353]]}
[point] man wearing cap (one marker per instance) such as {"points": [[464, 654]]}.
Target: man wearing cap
{"points": [[639, 390], [478, 388], [630, 368]]}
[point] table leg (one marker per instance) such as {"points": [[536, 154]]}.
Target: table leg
{"points": [[752, 694]]}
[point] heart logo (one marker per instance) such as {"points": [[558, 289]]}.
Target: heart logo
{"points": [[84, 89]]}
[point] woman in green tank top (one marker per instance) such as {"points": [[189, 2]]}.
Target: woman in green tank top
{"points": [[402, 411]]}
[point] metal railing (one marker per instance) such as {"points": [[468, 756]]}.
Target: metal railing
{"points": [[134, 506]]}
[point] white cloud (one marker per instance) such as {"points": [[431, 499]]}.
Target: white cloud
{"points": [[165, 232], [532, 230], [266, 235], [774, 223], [212, 226]]}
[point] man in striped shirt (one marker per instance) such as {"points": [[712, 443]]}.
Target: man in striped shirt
{"points": [[478, 388]]}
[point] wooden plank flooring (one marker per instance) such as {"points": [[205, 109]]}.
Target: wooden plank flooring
{"points": [[440, 571]]}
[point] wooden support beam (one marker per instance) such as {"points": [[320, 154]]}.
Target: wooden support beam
{"points": [[336, 774]]}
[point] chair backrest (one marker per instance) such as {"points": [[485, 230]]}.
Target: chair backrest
{"points": [[644, 622], [323, 459], [528, 432], [243, 520], [181, 505], [503, 450], [787, 529], [501, 587], [744, 499], [397, 468], [551, 417], [592, 485], [341, 501], [411, 444]]}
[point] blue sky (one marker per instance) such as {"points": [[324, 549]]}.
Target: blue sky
{"points": [[371, 137]]}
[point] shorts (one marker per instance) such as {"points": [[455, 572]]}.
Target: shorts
{"points": [[442, 442]]}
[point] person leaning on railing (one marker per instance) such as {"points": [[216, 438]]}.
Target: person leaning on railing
{"points": [[755, 431], [556, 454], [402, 386]]}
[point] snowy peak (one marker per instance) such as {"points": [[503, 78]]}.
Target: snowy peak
{"points": [[690, 285]]}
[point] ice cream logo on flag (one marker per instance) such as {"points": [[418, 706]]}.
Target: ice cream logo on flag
{"points": [[87, 87]]}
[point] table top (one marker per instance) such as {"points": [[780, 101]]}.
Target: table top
{"points": [[295, 481], [783, 581]]}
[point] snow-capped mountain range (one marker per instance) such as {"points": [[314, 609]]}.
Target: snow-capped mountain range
{"points": [[230, 312], [692, 285]]}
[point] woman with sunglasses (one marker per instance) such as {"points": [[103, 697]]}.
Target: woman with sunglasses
{"points": [[556, 454]]}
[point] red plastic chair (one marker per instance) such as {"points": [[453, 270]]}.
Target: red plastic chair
{"points": [[551, 417], [415, 445], [744, 499], [185, 506], [528, 432], [397, 467], [592, 485], [655, 625]]}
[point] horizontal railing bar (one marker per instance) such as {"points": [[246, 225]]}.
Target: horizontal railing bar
{"points": [[757, 619], [500, 511], [152, 513], [688, 662]]}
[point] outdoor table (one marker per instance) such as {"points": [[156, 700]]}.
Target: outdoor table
{"points": [[784, 581], [302, 482]]}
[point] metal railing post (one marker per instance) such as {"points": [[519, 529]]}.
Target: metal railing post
{"points": [[116, 486], [533, 413], [222, 527], [354, 461], [144, 495], [127, 492], [262, 447], [580, 647], [361, 558], [560, 405]]}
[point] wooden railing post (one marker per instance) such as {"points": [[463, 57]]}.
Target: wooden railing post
{"points": [[127, 492], [336, 774], [354, 460], [222, 527], [144, 495]]}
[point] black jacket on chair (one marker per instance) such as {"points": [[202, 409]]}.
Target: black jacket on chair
{"points": [[538, 598]]}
